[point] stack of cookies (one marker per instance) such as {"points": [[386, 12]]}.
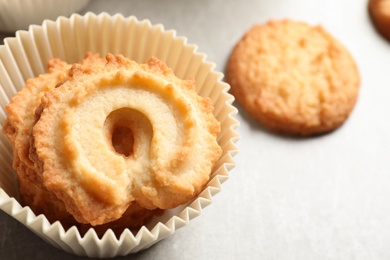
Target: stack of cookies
{"points": [[109, 143]]}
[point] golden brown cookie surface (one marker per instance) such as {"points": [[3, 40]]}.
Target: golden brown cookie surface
{"points": [[380, 15], [293, 78], [172, 131], [18, 128], [22, 107]]}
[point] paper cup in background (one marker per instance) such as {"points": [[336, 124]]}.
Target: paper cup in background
{"points": [[19, 14], [26, 55]]}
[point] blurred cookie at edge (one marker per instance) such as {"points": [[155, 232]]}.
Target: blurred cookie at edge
{"points": [[293, 78], [380, 15]]}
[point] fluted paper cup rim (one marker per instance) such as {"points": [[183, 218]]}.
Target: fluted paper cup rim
{"points": [[109, 245]]}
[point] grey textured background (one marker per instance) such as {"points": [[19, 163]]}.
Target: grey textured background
{"points": [[287, 198]]}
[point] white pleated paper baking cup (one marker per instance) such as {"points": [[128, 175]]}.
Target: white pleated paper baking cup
{"points": [[19, 14], [25, 56]]}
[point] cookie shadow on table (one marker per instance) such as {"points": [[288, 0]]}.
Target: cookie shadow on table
{"points": [[256, 126]]}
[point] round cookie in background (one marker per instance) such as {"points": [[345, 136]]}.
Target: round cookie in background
{"points": [[293, 78], [379, 11]]}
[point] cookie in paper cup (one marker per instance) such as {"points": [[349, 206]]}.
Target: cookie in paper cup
{"points": [[69, 39]]}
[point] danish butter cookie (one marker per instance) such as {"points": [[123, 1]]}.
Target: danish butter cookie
{"points": [[118, 133], [380, 15], [293, 78]]}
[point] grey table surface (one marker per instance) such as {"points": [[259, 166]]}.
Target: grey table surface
{"points": [[314, 198]]}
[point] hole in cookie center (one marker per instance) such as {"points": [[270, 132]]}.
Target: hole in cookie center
{"points": [[119, 131], [122, 140], [127, 132]]}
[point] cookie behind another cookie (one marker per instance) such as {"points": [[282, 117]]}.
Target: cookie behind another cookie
{"points": [[380, 15], [293, 78]]}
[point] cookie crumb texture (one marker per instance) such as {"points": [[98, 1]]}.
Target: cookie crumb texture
{"points": [[293, 78], [380, 15]]}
